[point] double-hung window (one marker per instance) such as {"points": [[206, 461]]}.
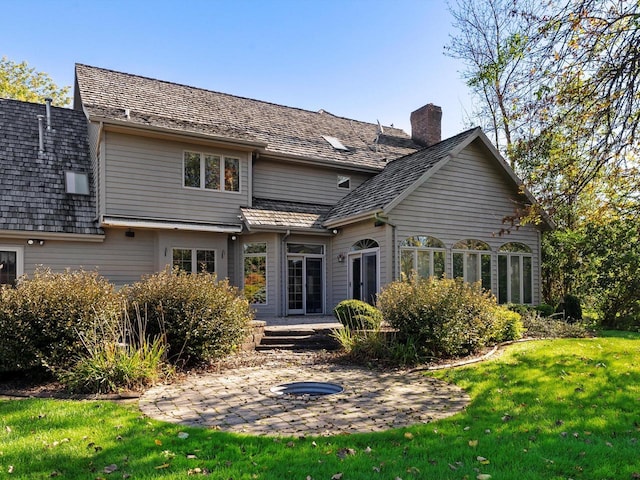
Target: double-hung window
{"points": [[423, 255], [255, 272], [211, 172], [472, 262], [515, 273], [194, 260]]}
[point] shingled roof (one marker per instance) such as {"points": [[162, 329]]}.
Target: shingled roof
{"points": [[33, 197], [284, 215], [397, 177], [274, 129]]}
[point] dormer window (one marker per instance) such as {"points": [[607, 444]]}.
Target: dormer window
{"points": [[335, 143], [344, 182], [77, 183]]}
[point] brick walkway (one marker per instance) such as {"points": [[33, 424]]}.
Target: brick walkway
{"points": [[239, 400]]}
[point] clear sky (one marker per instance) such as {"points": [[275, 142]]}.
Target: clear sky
{"points": [[364, 59]]}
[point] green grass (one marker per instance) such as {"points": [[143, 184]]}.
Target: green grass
{"points": [[542, 410]]}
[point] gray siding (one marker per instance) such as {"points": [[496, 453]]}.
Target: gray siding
{"points": [[467, 198], [94, 132], [300, 183], [143, 178]]}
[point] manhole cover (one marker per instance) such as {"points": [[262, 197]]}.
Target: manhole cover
{"points": [[307, 388]]}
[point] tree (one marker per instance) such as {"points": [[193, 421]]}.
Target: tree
{"points": [[21, 82]]}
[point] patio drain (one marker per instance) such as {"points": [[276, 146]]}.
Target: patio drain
{"points": [[307, 388]]}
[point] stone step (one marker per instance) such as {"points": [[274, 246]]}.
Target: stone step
{"points": [[297, 340]]}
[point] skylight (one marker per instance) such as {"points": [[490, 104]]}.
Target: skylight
{"points": [[335, 143]]}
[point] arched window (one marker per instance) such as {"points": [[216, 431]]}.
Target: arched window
{"points": [[423, 255], [515, 273], [472, 262], [364, 245]]}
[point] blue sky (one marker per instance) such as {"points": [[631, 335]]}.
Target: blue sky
{"points": [[363, 59]]}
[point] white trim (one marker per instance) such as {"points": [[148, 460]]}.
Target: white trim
{"points": [[264, 254], [361, 254], [194, 257], [71, 237], [107, 221], [222, 166]]}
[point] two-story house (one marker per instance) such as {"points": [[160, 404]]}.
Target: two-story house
{"points": [[300, 209]]}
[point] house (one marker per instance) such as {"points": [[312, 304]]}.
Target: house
{"points": [[300, 209]]}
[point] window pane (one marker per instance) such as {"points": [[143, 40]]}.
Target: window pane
{"points": [[232, 174], [182, 259], [472, 268], [458, 268], [503, 279], [406, 262], [8, 268], [255, 279], [212, 172], [527, 282], [305, 248], [515, 279], [260, 247], [424, 264], [206, 261], [438, 264], [191, 169], [486, 271], [344, 182]]}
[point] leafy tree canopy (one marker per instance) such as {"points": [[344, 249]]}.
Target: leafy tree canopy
{"points": [[18, 81]]}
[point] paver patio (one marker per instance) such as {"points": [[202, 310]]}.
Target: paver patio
{"points": [[240, 400]]}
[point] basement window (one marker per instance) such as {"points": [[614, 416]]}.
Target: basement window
{"points": [[335, 143], [77, 183]]}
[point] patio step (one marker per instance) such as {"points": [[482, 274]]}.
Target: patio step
{"points": [[306, 338]]}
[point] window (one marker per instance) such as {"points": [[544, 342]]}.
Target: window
{"points": [[422, 255], [77, 183], [515, 273], [194, 260], [10, 265], [472, 262], [305, 248], [344, 182], [203, 170], [255, 272], [335, 143], [364, 245]]}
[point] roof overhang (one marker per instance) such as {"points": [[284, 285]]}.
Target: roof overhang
{"points": [[359, 217], [66, 237], [153, 131], [158, 224]]}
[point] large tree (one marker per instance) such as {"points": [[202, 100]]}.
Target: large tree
{"points": [[21, 82]]}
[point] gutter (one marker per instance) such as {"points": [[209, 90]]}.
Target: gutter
{"points": [[157, 224], [71, 237], [394, 246]]}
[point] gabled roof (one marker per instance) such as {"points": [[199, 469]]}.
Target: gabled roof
{"points": [[275, 214], [33, 196], [382, 192], [397, 177], [273, 129]]}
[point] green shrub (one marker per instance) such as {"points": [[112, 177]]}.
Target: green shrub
{"points": [[118, 357], [545, 309], [571, 306], [507, 325], [202, 318], [446, 317], [50, 311], [16, 353], [357, 314]]}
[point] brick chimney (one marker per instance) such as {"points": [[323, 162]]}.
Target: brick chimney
{"points": [[426, 125]]}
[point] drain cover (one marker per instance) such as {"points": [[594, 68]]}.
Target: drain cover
{"points": [[307, 388]]}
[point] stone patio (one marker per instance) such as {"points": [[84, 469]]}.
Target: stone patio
{"points": [[239, 400]]}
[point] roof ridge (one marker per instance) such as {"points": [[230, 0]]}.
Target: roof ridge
{"points": [[167, 82]]}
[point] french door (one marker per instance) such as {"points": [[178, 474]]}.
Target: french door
{"points": [[363, 276], [305, 286]]}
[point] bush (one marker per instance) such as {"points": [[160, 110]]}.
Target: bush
{"points": [[203, 318], [357, 314], [545, 309], [570, 305], [15, 352], [507, 325], [446, 318], [48, 313]]}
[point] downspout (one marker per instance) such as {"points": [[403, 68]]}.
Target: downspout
{"points": [[378, 218], [283, 264]]}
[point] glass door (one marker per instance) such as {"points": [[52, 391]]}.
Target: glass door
{"points": [[305, 287], [363, 276]]}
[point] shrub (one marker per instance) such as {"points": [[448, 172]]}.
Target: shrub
{"points": [[16, 353], [49, 311], [357, 314], [118, 357], [545, 309], [571, 306], [507, 325], [446, 317], [203, 318]]}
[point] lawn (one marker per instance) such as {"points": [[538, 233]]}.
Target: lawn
{"points": [[555, 409]]}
